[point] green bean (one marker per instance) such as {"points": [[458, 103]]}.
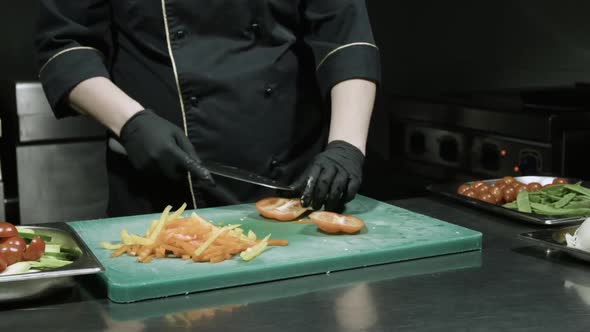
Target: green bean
{"points": [[578, 188], [553, 190], [564, 200], [579, 204], [523, 203], [511, 205], [557, 200], [551, 211]]}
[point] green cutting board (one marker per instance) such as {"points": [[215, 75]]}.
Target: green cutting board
{"points": [[391, 234]]}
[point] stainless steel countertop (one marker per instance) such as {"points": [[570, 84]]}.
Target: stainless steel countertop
{"points": [[508, 286]]}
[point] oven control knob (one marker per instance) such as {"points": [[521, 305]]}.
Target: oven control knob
{"points": [[529, 165]]}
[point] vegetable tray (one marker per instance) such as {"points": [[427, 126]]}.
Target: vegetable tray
{"points": [[25, 286], [391, 234], [450, 190]]}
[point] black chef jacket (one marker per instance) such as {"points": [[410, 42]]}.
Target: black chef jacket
{"points": [[248, 80]]}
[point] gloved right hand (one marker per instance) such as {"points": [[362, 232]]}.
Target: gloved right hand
{"points": [[155, 145]]}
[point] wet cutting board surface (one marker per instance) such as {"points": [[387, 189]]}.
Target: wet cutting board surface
{"points": [[391, 234]]}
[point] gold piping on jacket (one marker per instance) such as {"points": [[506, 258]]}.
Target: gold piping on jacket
{"points": [[341, 48], [190, 180], [65, 51]]}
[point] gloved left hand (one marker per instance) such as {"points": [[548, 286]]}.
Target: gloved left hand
{"points": [[333, 178]]}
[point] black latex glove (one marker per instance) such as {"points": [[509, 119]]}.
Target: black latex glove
{"points": [[155, 145], [333, 178]]}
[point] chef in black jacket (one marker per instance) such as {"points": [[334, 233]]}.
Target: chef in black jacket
{"points": [[283, 88]]}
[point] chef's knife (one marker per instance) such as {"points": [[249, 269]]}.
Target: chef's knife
{"points": [[245, 176], [225, 171]]}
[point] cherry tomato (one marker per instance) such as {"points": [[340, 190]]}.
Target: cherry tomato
{"points": [[508, 179], [470, 193], [477, 184], [509, 194], [14, 241], [462, 188], [278, 208], [35, 250], [520, 189], [3, 264], [7, 229], [332, 223], [515, 184], [533, 186], [559, 181], [488, 198], [12, 249], [483, 189], [497, 193], [499, 184]]}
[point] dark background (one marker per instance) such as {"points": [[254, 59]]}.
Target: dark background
{"points": [[428, 48]]}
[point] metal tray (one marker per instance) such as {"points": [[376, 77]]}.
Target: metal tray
{"points": [[450, 190], [35, 284], [555, 239]]}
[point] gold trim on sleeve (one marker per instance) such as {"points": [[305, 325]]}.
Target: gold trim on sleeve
{"points": [[65, 51], [167, 31], [343, 47]]}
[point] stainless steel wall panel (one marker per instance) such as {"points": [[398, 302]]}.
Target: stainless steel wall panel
{"points": [[37, 123], [61, 182]]}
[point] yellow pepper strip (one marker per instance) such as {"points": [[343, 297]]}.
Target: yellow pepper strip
{"points": [[141, 240], [177, 213], [110, 246], [216, 234], [160, 224], [125, 238], [154, 225], [151, 228], [132, 239], [198, 217], [255, 250]]}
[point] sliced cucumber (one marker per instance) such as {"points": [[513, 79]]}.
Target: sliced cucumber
{"points": [[28, 234], [53, 248], [60, 255], [48, 262], [17, 268]]}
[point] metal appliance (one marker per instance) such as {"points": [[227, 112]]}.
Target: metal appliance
{"points": [[59, 164], [491, 136]]}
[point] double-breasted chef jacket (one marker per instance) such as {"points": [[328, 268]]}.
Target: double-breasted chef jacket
{"points": [[248, 81]]}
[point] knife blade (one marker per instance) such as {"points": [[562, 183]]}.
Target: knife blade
{"points": [[244, 176]]}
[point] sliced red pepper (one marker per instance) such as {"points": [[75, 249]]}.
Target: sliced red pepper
{"points": [[278, 208], [331, 222]]}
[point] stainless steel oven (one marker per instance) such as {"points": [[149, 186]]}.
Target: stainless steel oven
{"points": [[448, 139]]}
